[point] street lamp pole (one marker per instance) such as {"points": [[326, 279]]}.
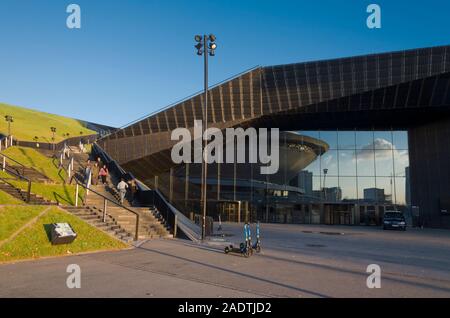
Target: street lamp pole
{"points": [[9, 119], [325, 171], [53, 129], [205, 46]]}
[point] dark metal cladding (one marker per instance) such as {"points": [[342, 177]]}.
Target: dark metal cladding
{"points": [[406, 90]]}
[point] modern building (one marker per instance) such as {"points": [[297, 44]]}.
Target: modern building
{"points": [[304, 181], [374, 195], [361, 119]]}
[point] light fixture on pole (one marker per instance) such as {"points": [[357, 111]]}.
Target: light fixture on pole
{"points": [[205, 46], [9, 119], [325, 171], [53, 129]]}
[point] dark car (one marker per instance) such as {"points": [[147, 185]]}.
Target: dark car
{"points": [[394, 220]]}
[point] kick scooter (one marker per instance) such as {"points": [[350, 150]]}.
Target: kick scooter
{"points": [[257, 245], [244, 248]]}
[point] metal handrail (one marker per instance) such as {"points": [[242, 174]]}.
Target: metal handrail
{"points": [[20, 177], [118, 204], [15, 161]]}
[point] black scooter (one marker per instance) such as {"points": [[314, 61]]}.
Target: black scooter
{"points": [[244, 248]]}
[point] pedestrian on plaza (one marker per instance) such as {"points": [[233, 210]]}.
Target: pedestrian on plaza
{"points": [[103, 174], [122, 187], [133, 189], [87, 173], [95, 173], [99, 161]]}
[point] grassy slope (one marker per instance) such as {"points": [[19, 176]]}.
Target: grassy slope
{"points": [[63, 193], [32, 158], [33, 242], [5, 198], [12, 218], [29, 123]]}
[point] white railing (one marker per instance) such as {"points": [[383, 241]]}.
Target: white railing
{"points": [[6, 142]]}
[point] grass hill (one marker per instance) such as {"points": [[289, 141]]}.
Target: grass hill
{"points": [[32, 158], [25, 234], [29, 123]]}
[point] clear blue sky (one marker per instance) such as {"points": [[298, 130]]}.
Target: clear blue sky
{"points": [[133, 57]]}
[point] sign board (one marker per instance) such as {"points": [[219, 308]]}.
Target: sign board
{"points": [[62, 233]]}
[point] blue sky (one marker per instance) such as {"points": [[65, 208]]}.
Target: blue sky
{"points": [[133, 57]]}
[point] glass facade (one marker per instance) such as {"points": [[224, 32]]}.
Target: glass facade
{"points": [[358, 162], [330, 177]]}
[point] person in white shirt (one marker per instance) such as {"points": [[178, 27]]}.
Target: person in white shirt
{"points": [[122, 186]]}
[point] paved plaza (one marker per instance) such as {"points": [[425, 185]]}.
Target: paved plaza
{"points": [[296, 261]]}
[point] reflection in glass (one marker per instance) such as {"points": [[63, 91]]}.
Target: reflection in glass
{"points": [[365, 162], [348, 186], [401, 162], [330, 163], [330, 137], [347, 163], [365, 183], [364, 140], [383, 140], [400, 139], [385, 186], [400, 190], [384, 163], [346, 140]]}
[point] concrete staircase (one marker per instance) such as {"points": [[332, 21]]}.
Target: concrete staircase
{"points": [[22, 195], [94, 217], [150, 226], [32, 174], [119, 222]]}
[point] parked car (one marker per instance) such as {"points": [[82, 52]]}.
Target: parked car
{"points": [[394, 220]]}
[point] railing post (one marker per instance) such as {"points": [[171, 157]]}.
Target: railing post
{"points": [[71, 163], [88, 183], [175, 225], [76, 195], [4, 163], [61, 159], [29, 191], [136, 236], [104, 210]]}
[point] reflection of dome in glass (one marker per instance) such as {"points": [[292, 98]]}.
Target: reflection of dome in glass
{"points": [[296, 152]]}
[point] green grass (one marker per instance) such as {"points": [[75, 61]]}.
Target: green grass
{"points": [[32, 158], [33, 242], [29, 123], [5, 198], [12, 218], [62, 193]]}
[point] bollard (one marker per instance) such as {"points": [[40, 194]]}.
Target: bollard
{"points": [[76, 195], [104, 210]]}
